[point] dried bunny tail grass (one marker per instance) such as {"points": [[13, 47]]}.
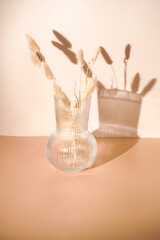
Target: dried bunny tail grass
{"points": [[47, 71], [32, 44], [75, 85], [80, 60], [57, 89], [60, 94], [39, 60], [90, 88], [41, 57], [35, 59], [96, 55], [90, 64], [87, 73]]}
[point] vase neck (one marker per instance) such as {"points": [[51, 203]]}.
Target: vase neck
{"points": [[72, 117]]}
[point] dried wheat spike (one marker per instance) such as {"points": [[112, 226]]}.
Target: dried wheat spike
{"points": [[47, 71], [80, 60], [90, 88], [96, 55], [35, 59], [32, 44]]}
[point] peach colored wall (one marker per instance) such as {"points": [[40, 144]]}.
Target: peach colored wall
{"points": [[26, 101]]}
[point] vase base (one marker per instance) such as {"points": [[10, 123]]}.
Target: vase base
{"points": [[70, 155], [72, 169]]}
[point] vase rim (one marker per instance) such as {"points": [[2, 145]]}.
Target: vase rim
{"points": [[71, 93]]}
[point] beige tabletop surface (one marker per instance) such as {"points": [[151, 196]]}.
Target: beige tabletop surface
{"points": [[117, 198]]}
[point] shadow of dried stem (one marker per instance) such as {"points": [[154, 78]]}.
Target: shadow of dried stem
{"points": [[109, 61], [70, 54], [65, 46], [106, 56], [66, 43], [148, 87], [135, 83], [127, 51], [127, 56]]}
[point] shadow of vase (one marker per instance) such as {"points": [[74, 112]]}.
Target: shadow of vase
{"points": [[119, 112], [110, 148]]}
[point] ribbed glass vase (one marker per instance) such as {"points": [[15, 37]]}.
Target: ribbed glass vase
{"points": [[71, 147]]}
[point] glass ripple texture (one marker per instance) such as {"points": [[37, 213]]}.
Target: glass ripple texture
{"points": [[71, 147]]}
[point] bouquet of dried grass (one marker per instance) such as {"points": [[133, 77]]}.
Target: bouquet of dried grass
{"points": [[39, 61], [69, 113]]}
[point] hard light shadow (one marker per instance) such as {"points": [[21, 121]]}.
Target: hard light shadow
{"points": [[119, 113], [119, 110], [66, 43], [65, 46], [106, 56], [148, 88], [135, 83], [69, 53], [127, 56], [109, 148]]}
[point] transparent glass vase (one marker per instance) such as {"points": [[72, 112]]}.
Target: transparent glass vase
{"points": [[71, 147]]}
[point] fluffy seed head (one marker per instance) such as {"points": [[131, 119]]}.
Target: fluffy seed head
{"points": [[96, 55], [35, 59], [60, 94], [80, 60], [32, 44], [47, 71], [90, 88], [41, 57]]}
